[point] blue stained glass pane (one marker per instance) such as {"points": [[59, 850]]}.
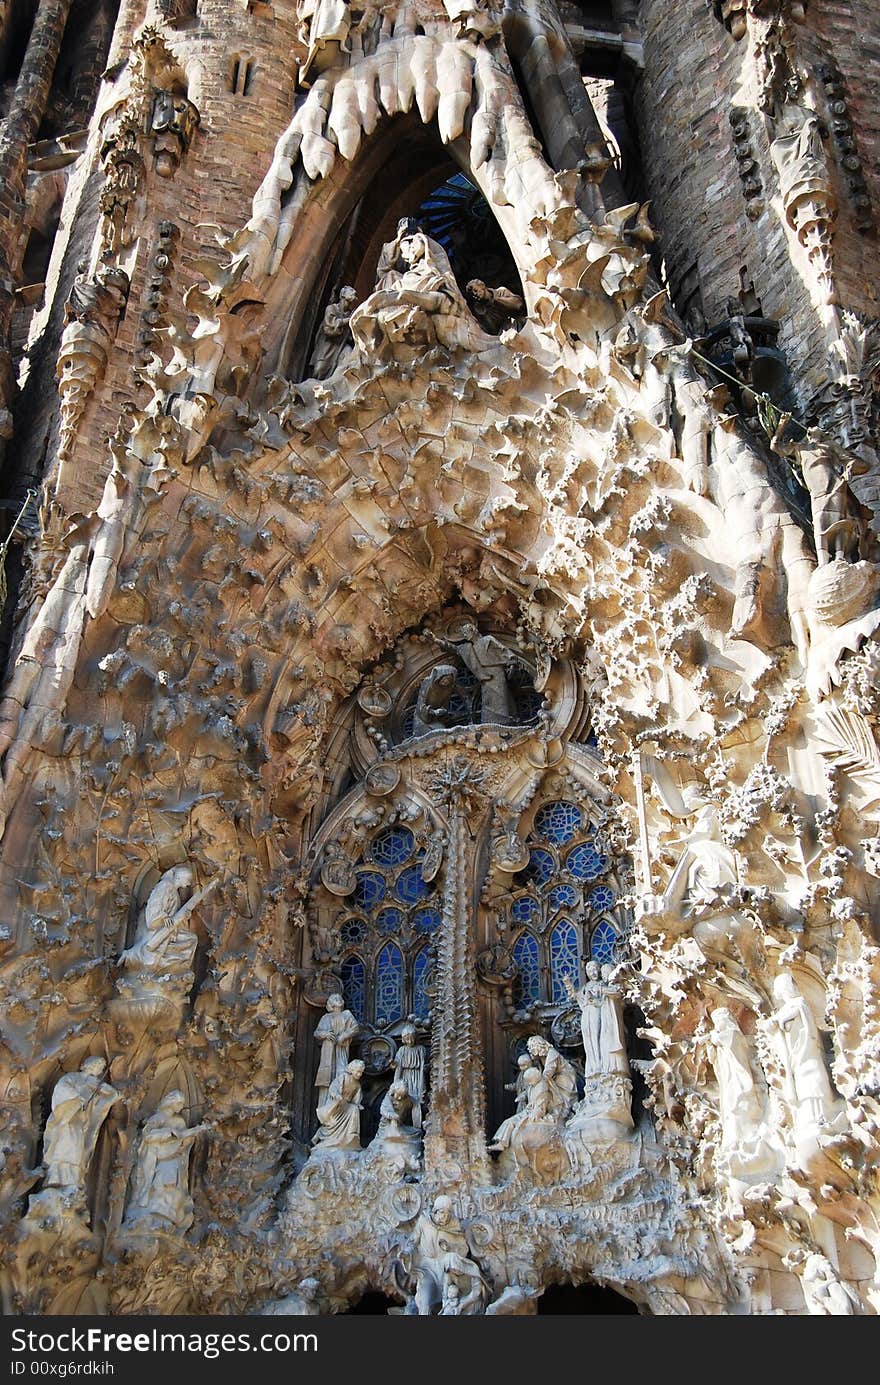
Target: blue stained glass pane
{"points": [[563, 959], [541, 865], [354, 986], [527, 986], [558, 822], [585, 862], [603, 944], [562, 897], [352, 932], [389, 920], [602, 897], [426, 920], [369, 891], [421, 975], [524, 909], [391, 847], [389, 985], [411, 887]]}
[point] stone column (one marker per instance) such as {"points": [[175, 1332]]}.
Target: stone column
{"points": [[455, 1129], [18, 132]]}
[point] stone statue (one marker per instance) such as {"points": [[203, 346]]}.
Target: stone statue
{"points": [[738, 1100], [335, 1029], [432, 700], [537, 1106], [493, 308], [397, 1132], [558, 1073], [601, 1006], [824, 1294], [160, 1198], [520, 1087], [409, 1069], [333, 340], [489, 661], [806, 1085], [416, 305], [339, 1113], [158, 965], [81, 1103], [441, 1259]]}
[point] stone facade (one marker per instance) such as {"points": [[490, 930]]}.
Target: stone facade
{"points": [[439, 785]]}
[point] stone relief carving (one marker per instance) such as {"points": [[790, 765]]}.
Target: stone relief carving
{"points": [[339, 1113], [81, 1102], [159, 1197]]}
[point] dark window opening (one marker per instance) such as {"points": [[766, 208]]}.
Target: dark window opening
{"points": [[583, 1298]]}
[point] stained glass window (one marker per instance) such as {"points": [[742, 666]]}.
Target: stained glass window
{"points": [[389, 920], [385, 969], [563, 959], [392, 847], [558, 822], [524, 909], [421, 1003], [389, 985], [542, 866], [352, 932], [354, 986], [585, 862], [602, 897], [567, 888], [603, 945], [562, 897], [527, 986], [410, 887], [369, 890], [426, 920]]}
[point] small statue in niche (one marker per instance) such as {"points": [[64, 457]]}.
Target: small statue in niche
{"points": [[807, 1086], [335, 1029], [432, 700], [489, 661], [333, 341], [339, 1114], [536, 1108], [494, 309], [601, 1007], [409, 1069], [749, 1146], [158, 965], [81, 1103], [160, 1199]]}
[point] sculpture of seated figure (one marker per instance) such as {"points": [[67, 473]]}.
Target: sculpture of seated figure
{"points": [[397, 1133], [432, 700], [158, 965], [495, 309], [416, 305], [340, 1114]]}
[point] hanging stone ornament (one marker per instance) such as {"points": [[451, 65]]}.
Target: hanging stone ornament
{"points": [[337, 870]]}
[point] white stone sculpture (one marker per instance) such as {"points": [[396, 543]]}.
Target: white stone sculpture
{"points": [[824, 1294], [750, 1149], [339, 1113], [160, 1198], [557, 1072], [335, 1029], [81, 1102], [157, 970], [409, 1069], [398, 1133], [601, 1007], [416, 305], [442, 1258], [806, 1085]]}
